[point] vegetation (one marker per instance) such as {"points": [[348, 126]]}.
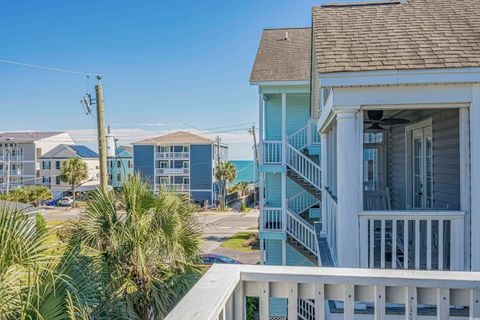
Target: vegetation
{"points": [[242, 188], [225, 172], [74, 171], [130, 265], [29, 194], [242, 241]]}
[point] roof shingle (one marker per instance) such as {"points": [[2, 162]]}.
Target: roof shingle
{"points": [[415, 34], [279, 59], [178, 137]]}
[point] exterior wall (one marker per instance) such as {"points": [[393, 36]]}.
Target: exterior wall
{"points": [[201, 172], [298, 111], [446, 159], [273, 117], [125, 170], [143, 162]]}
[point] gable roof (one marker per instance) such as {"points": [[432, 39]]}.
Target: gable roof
{"points": [[178, 137], [124, 152], [400, 35], [282, 59], [25, 137], [64, 151]]}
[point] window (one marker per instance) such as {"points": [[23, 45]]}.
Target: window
{"points": [[129, 163], [185, 164], [57, 165], [420, 165], [57, 180], [119, 177], [119, 164]]}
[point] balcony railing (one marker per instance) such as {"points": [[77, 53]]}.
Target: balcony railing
{"points": [[431, 240], [172, 155], [175, 187], [271, 219], [329, 221], [221, 292], [160, 171], [272, 152]]}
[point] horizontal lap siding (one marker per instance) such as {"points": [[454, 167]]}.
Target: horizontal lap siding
{"points": [[273, 189], [446, 158], [201, 172], [143, 162], [273, 118], [298, 111]]}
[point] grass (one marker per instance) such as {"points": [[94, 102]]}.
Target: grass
{"points": [[52, 226], [240, 242]]}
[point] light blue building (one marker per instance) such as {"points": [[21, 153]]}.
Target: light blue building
{"points": [[120, 167], [182, 161], [290, 189]]}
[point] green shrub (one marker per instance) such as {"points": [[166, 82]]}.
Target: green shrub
{"points": [[41, 224], [243, 208]]}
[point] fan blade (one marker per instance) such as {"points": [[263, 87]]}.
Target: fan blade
{"points": [[367, 121], [375, 127], [393, 121]]}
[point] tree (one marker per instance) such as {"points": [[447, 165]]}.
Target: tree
{"points": [[73, 172], [242, 188], [147, 254], [29, 194], [225, 172]]}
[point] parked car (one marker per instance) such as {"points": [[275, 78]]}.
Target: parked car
{"points": [[216, 258], [65, 202]]}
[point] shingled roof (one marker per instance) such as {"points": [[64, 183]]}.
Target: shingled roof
{"points": [[178, 137], [281, 58], [413, 34]]}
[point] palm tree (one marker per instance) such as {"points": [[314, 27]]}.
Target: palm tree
{"points": [[225, 172], [147, 253], [36, 284], [74, 171]]}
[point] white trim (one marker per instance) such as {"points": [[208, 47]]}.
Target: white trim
{"points": [[280, 83], [464, 145], [475, 176], [284, 175], [400, 77]]}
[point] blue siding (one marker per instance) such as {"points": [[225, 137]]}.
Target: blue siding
{"points": [[298, 111], [273, 118], [273, 188], [201, 196], [143, 162], [201, 171]]}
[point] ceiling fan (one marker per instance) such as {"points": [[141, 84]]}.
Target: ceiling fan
{"points": [[376, 121]]}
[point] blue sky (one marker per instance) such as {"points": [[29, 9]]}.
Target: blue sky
{"points": [[188, 59]]}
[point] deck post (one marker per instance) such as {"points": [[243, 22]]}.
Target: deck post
{"points": [[347, 189], [284, 175], [261, 176], [475, 177]]}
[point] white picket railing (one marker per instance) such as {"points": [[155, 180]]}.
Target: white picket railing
{"points": [[221, 293], [329, 223], [272, 152], [271, 219], [302, 201], [431, 240], [305, 136], [303, 166], [306, 309], [302, 232]]}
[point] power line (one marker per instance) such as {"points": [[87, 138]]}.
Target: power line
{"points": [[30, 65]]}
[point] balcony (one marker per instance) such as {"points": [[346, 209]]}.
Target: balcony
{"points": [[221, 293], [172, 155], [171, 171], [175, 187]]}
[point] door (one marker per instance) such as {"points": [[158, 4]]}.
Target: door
{"points": [[421, 168]]}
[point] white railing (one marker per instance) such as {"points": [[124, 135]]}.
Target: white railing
{"points": [[329, 223], [172, 171], [305, 136], [272, 219], [303, 166], [306, 309], [302, 201], [272, 152], [222, 291], [173, 155], [302, 231], [431, 240], [175, 187]]}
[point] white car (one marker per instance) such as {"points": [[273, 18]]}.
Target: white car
{"points": [[65, 202]]}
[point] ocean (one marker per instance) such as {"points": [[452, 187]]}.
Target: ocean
{"points": [[245, 171]]}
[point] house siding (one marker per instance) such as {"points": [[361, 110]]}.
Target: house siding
{"points": [[273, 118], [143, 162], [201, 172], [446, 159], [298, 112]]}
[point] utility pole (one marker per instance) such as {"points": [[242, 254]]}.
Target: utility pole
{"points": [[220, 183], [257, 162], [102, 146]]}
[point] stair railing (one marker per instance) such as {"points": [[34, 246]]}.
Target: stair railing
{"points": [[302, 165], [302, 201], [302, 232], [299, 139]]}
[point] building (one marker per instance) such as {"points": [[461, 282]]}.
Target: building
{"points": [[21, 151], [182, 161], [120, 166], [390, 90], [51, 164]]}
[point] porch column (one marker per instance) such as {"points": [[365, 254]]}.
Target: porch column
{"points": [[475, 176], [261, 177], [348, 194], [284, 176], [323, 164]]}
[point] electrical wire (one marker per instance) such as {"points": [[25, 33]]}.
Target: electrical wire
{"points": [[30, 65]]}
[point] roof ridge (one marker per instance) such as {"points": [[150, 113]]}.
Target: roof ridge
{"points": [[360, 3], [287, 28]]}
